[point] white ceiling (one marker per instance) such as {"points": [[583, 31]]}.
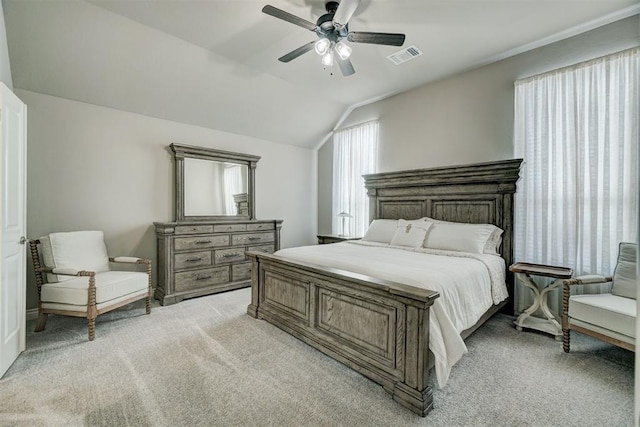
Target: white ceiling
{"points": [[214, 63]]}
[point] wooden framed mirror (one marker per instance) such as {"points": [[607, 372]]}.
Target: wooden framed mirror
{"points": [[213, 184]]}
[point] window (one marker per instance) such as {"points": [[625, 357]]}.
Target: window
{"points": [[577, 131], [355, 153]]}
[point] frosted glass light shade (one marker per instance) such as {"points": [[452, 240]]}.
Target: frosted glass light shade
{"points": [[322, 46], [343, 50], [327, 59]]}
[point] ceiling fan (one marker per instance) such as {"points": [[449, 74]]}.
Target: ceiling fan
{"points": [[332, 29]]}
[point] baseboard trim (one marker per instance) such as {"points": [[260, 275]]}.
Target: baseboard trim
{"points": [[32, 314]]}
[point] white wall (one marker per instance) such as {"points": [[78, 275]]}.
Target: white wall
{"points": [[92, 167], [466, 118], [5, 68]]}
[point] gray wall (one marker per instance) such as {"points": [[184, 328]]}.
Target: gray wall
{"points": [[92, 167], [5, 68], [466, 118]]}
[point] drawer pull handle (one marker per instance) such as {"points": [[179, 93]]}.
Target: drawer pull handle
{"points": [[230, 255], [254, 238], [193, 259], [202, 242], [203, 277]]}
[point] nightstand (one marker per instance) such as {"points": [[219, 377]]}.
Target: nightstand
{"points": [[524, 271], [334, 238]]}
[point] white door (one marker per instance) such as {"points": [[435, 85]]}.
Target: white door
{"points": [[13, 180]]}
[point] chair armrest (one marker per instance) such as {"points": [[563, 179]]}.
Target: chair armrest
{"points": [[66, 271], [566, 295], [130, 260], [585, 280]]}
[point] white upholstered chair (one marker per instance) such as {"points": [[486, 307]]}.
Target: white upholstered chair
{"points": [[79, 281], [609, 316]]}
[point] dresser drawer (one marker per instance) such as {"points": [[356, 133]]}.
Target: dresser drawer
{"points": [[189, 280], [240, 271], [260, 226], [194, 229], [200, 242], [262, 248], [253, 238], [229, 255], [192, 260], [223, 228]]}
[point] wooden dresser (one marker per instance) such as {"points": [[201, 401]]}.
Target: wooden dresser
{"points": [[205, 257]]}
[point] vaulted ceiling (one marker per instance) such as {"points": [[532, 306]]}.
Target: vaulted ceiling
{"points": [[214, 63]]}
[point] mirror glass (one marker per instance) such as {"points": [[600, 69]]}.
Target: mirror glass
{"points": [[215, 188]]}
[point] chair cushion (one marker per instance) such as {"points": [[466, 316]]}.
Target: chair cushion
{"points": [[83, 309], [80, 250], [110, 285], [609, 311], [625, 283]]}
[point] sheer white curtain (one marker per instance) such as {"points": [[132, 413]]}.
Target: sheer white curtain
{"points": [[577, 131], [355, 153]]}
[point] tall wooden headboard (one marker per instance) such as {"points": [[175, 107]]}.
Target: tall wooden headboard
{"points": [[480, 193]]}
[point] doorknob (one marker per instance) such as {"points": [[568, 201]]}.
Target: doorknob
{"points": [[23, 240]]}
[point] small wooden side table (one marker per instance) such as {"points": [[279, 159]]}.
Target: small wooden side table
{"points": [[524, 271], [334, 238]]}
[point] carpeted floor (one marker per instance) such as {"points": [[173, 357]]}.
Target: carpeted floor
{"points": [[205, 362]]}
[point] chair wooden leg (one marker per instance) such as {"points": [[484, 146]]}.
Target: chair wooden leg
{"points": [[566, 340], [150, 292], [41, 322], [92, 310], [92, 329]]}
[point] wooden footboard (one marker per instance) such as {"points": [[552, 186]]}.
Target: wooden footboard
{"points": [[376, 327]]}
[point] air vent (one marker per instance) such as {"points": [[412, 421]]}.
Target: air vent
{"points": [[404, 55]]}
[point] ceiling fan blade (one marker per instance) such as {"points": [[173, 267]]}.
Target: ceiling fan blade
{"points": [[376, 38], [297, 52], [345, 11], [286, 16], [345, 66]]}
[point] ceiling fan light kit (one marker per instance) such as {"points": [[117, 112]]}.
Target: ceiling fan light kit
{"points": [[343, 50], [322, 46], [327, 59], [332, 28]]}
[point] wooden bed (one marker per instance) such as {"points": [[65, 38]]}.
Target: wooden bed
{"points": [[376, 327]]}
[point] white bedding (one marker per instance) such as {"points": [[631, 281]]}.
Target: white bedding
{"points": [[468, 285]]}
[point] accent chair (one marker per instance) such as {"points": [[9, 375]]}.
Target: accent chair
{"points": [[74, 277]]}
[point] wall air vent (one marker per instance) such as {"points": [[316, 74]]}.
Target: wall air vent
{"points": [[404, 55]]}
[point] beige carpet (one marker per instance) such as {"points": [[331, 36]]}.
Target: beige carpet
{"points": [[205, 362]]}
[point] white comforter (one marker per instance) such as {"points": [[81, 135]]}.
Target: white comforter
{"points": [[468, 285]]}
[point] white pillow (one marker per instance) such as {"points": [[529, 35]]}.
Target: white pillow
{"points": [[381, 230], [459, 237], [410, 233], [492, 244], [79, 250]]}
